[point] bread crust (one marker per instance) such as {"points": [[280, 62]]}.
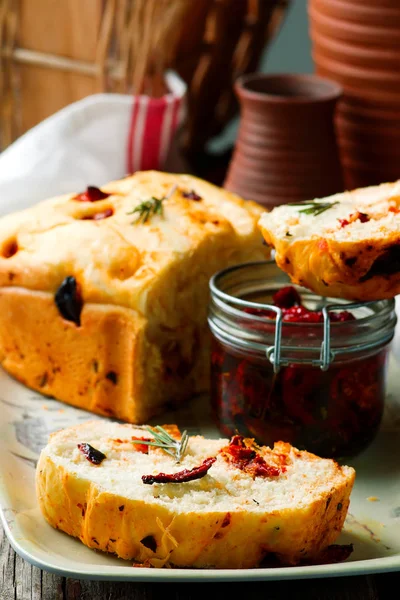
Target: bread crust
{"points": [[328, 267], [189, 538], [361, 266], [116, 260], [98, 366], [143, 340]]}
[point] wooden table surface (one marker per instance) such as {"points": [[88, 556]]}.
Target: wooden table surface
{"points": [[21, 581]]}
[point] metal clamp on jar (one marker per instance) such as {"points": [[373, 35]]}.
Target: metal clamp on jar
{"points": [[318, 385]]}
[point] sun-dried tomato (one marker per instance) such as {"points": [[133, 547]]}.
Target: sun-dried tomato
{"points": [[91, 194], [144, 448], [248, 460], [259, 468], [334, 413], [286, 297], [181, 476], [92, 454], [289, 301], [357, 216]]}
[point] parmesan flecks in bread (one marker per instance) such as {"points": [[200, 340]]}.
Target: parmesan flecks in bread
{"points": [[348, 249], [142, 337], [229, 518]]}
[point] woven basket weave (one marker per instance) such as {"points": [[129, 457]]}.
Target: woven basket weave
{"points": [[54, 52]]}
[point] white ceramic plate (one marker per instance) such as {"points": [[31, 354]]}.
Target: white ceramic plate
{"points": [[26, 419]]}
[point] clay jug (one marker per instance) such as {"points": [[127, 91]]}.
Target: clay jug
{"points": [[286, 147], [357, 44]]}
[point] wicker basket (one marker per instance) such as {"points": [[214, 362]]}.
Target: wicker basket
{"points": [[54, 52]]}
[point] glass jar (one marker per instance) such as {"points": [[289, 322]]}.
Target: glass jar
{"points": [[319, 386]]}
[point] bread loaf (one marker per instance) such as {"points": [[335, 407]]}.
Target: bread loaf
{"points": [[104, 294], [237, 504], [343, 246]]}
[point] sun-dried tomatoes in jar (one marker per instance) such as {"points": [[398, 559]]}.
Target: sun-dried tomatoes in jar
{"points": [[334, 412]]}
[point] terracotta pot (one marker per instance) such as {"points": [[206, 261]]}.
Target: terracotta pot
{"points": [[286, 148], [357, 44]]}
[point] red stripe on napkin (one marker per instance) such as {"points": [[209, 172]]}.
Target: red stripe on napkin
{"points": [[150, 149], [152, 129]]}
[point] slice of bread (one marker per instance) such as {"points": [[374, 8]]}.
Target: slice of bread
{"points": [[251, 504], [343, 246]]}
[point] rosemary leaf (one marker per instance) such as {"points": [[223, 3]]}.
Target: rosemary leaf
{"points": [[162, 439], [317, 209], [183, 444], [154, 206], [147, 208], [313, 207]]}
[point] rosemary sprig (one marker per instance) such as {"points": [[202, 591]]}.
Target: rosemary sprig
{"points": [[147, 208], [312, 207], [154, 206], [162, 439]]}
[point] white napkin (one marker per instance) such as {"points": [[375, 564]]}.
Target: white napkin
{"points": [[83, 144]]}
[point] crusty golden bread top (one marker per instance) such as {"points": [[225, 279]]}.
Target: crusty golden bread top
{"points": [[115, 259]]}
